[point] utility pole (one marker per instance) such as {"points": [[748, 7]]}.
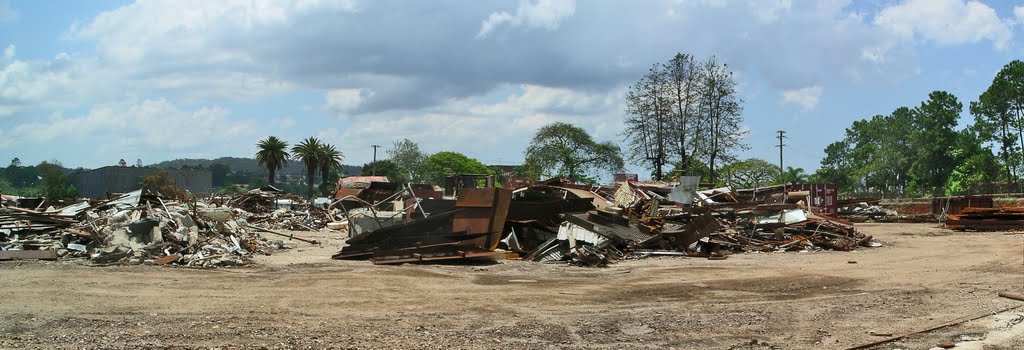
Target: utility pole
{"points": [[780, 137], [374, 169]]}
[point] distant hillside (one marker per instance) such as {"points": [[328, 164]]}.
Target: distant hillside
{"points": [[247, 164]]}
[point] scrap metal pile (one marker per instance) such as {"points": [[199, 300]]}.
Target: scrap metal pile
{"points": [[987, 219], [557, 221], [135, 228]]}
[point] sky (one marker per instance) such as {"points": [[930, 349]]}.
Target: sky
{"points": [[90, 82]]}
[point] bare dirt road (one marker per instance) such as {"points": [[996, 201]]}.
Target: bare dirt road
{"points": [[923, 277]]}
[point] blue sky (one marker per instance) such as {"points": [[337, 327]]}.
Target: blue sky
{"points": [[92, 82]]}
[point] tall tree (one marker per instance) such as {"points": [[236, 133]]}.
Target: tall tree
{"points": [[272, 155], [329, 159], [999, 113], [722, 111], [934, 138], [682, 76], [565, 150], [407, 157], [16, 162], [647, 121], [308, 152]]}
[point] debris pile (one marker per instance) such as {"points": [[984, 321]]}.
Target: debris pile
{"points": [[987, 219], [138, 227], [471, 229], [865, 212], [557, 221]]}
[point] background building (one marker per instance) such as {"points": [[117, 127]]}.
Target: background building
{"points": [[98, 183]]}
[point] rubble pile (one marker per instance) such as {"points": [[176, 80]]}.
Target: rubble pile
{"points": [[865, 212], [557, 221], [141, 228]]}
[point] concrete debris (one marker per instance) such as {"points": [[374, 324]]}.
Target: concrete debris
{"points": [[144, 228]]}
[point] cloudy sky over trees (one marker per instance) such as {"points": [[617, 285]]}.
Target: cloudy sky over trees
{"points": [[92, 82]]}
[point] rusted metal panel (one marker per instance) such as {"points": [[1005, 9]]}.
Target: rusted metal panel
{"points": [[956, 205], [28, 255], [823, 196]]}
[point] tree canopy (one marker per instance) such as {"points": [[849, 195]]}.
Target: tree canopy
{"points": [[684, 110], [272, 155], [565, 150], [408, 158], [441, 164]]}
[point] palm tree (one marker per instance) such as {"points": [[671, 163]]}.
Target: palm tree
{"points": [[793, 175], [330, 159], [308, 151], [273, 155]]}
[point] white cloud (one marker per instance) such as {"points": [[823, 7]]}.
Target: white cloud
{"points": [[545, 14], [7, 14], [149, 128], [487, 127], [343, 101], [285, 122], [9, 52], [772, 9], [807, 98], [1018, 12], [946, 22]]}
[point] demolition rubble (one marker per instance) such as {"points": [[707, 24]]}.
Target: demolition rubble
{"points": [[142, 227], [557, 221], [554, 221]]}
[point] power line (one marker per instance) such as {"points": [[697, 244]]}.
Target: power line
{"points": [[374, 168], [782, 135]]}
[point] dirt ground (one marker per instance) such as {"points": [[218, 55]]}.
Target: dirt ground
{"points": [[923, 277]]}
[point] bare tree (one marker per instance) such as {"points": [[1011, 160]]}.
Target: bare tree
{"points": [[647, 121], [721, 110], [683, 74]]}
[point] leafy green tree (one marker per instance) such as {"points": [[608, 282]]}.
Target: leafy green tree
{"points": [[793, 175], [750, 173], [934, 137], [272, 155], [330, 161], [231, 190], [441, 164], [55, 183], [564, 150], [875, 155], [976, 166], [383, 167], [408, 158], [308, 151], [999, 115], [16, 162]]}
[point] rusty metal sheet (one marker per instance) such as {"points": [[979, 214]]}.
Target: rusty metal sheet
{"points": [[28, 255]]}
